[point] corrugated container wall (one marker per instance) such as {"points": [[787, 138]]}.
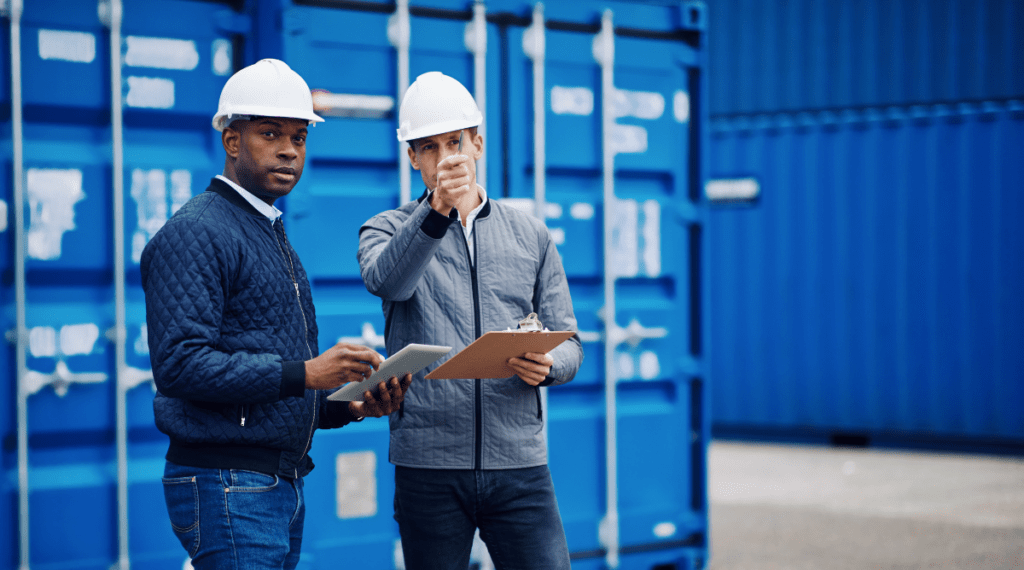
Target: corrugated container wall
{"points": [[866, 244], [594, 120], [799, 55]]}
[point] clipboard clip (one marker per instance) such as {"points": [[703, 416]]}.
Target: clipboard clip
{"points": [[531, 324]]}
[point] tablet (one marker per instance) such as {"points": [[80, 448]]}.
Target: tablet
{"points": [[408, 360]]}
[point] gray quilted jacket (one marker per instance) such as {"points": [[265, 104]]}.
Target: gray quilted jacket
{"points": [[417, 261]]}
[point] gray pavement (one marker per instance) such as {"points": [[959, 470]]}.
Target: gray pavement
{"points": [[776, 507]]}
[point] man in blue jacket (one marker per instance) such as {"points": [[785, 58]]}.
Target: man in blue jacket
{"points": [[469, 454], [233, 340]]}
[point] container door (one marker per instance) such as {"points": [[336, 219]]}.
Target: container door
{"points": [[350, 175], [176, 56]]}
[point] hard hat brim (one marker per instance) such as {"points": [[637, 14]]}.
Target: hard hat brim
{"points": [[405, 135], [220, 119]]}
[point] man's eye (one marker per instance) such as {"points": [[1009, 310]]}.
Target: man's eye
{"points": [[268, 134]]}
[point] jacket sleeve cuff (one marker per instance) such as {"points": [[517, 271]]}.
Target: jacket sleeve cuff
{"points": [[436, 224], [335, 415], [547, 381], [293, 379]]}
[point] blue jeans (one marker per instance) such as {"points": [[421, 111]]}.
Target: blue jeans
{"points": [[234, 519], [438, 511]]}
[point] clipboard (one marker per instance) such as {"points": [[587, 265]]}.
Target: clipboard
{"points": [[486, 357], [411, 358]]}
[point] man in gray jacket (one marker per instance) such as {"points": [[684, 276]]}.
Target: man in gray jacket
{"points": [[449, 267]]}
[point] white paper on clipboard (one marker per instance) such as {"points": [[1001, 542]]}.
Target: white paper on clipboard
{"points": [[408, 360]]}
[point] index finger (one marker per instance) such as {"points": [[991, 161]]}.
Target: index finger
{"points": [[367, 355]]}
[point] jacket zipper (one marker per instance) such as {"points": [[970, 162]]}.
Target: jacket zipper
{"points": [[478, 427], [305, 335], [295, 283]]}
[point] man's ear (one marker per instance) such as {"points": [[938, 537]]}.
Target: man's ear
{"points": [[232, 140], [478, 142], [413, 160]]}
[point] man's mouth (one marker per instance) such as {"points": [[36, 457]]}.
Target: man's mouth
{"points": [[284, 173]]}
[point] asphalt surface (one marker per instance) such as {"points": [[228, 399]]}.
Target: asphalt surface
{"points": [[776, 507]]}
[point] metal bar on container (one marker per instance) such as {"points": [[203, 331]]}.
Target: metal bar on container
{"points": [[20, 245], [533, 44], [534, 47], [399, 33], [120, 329], [604, 53], [476, 41]]}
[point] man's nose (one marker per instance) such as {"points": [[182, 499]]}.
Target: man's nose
{"points": [[287, 150]]}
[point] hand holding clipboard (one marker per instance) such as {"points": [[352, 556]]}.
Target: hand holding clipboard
{"points": [[487, 356]]}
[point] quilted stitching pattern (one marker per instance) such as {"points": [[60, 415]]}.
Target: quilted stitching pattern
{"points": [[222, 316], [427, 290]]}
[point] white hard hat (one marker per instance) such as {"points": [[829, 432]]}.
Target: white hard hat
{"points": [[267, 88], [436, 104]]}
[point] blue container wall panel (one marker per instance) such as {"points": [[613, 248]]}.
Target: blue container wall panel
{"points": [[174, 68], [349, 499], [870, 287], [811, 54]]}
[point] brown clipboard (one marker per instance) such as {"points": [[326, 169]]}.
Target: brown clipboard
{"points": [[486, 357]]}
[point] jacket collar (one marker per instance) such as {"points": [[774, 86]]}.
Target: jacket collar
{"points": [[231, 195]]}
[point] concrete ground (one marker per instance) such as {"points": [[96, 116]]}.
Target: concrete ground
{"points": [[776, 507]]}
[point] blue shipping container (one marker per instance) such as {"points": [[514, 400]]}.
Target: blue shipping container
{"points": [[77, 421], [799, 55], [869, 288]]}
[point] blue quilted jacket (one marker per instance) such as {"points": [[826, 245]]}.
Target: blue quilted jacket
{"points": [[230, 320]]}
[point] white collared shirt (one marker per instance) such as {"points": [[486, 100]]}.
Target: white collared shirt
{"points": [[271, 212], [468, 228]]}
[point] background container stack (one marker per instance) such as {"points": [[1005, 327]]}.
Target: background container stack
{"points": [[865, 244], [82, 460]]}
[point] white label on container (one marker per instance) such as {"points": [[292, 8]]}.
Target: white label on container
{"points": [[142, 342], [352, 105], [650, 368], [79, 47], [651, 238], [628, 139], [625, 237], [552, 210], [3, 216], [161, 53], [42, 342], [572, 100], [639, 104], [558, 236], [153, 205], [356, 484], [625, 367], [222, 56], [52, 195], [581, 211], [636, 238], [181, 189], [731, 190], [150, 92], [78, 339], [664, 529], [681, 106]]}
